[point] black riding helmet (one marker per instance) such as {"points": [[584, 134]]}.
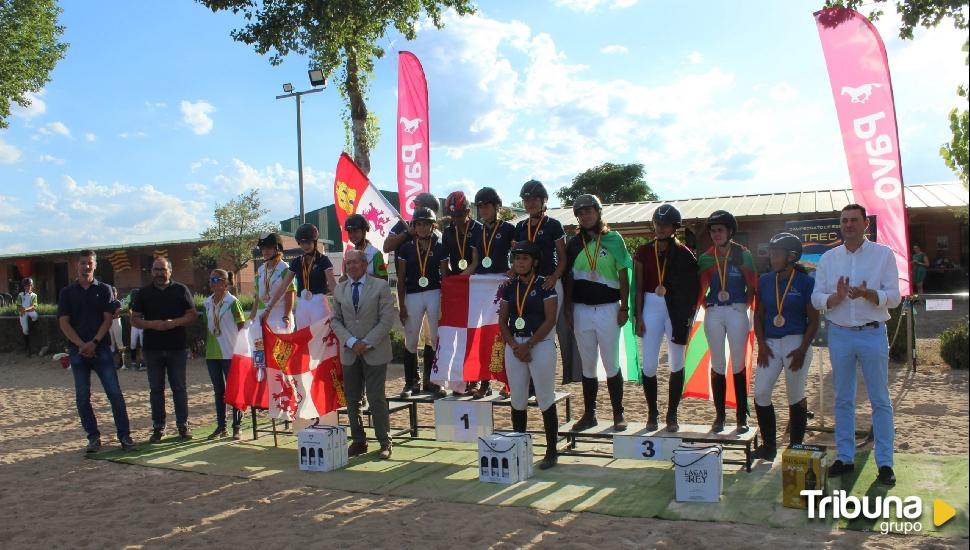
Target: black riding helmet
{"points": [[789, 243], [534, 188], [586, 200], [667, 213], [488, 195], [526, 247], [423, 213], [725, 218], [426, 200], [27, 281], [356, 221], [271, 240], [307, 232]]}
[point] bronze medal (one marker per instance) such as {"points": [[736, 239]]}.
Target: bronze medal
{"points": [[723, 296], [661, 291], [307, 294], [779, 320]]}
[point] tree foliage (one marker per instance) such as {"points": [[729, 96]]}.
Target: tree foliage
{"points": [[340, 38], [237, 226], [956, 154], [29, 50], [611, 183]]}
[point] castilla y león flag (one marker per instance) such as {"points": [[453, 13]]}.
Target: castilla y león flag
{"points": [[470, 346], [293, 375], [355, 194]]}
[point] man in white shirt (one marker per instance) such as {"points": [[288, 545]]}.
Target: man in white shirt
{"points": [[855, 285]]}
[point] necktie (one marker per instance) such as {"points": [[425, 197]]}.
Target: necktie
{"points": [[356, 294]]}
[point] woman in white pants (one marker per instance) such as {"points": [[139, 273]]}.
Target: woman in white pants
{"points": [[728, 285], [665, 275], [273, 303], [526, 316], [420, 265], [785, 325], [313, 274], [27, 308]]}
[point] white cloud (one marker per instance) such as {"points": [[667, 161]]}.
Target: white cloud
{"points": [[613, 49], [202, 162], [132, 135], [36, 107], [195, 114], [90, 137], [51, 159], [591, 5], [56, 127], [278, 187], [9, 154], [782, 91], [695, 57]]}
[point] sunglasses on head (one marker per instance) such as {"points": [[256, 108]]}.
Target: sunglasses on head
{"points": [[215, 280]]}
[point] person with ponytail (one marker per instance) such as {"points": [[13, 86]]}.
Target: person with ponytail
{"points": [[785, 323], [727, 289], [223, 319], [665, 273]]}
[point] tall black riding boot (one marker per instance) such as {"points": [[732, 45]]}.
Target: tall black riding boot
{"points": [[767, 424], [520, 420], [588, 420], [614, 385], [719, 389], [550, 425], [741, 398], [410, 374], [798, 414], [650, 393], [428, 365], [27, 343], [675, 388]]}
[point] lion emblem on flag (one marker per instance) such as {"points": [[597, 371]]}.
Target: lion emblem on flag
{"points": [[346, 197]]}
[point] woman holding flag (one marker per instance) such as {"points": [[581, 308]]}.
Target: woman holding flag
{"points": [[597, 304], [728, 285], [665, 274], [273, 303], [785, 323], [420, 265], [313, 273], [526, 316], [223, 319]]}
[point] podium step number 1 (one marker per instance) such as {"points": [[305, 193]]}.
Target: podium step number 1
{"points": [[458, 420]]}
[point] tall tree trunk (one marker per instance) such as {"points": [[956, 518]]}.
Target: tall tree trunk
{"points": [[358, 113]]}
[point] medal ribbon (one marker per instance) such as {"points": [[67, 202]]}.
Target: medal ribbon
{"points": [[269, 275], [487, 245], [306, 270], [528, 229], [217, 316], [520, 300], [661, 270], [780, 300], [464, 241], [721, 272], [596, 251], [423, 262]]}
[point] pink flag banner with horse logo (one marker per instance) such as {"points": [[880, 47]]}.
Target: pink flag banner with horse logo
{"points": [[413, 154], [859, 73], [355, 194]]}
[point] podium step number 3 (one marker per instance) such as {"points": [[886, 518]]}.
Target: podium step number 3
{"points": [[457, 420], [641, 447]]}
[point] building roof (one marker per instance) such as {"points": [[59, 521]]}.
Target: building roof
{"points": [[102, 248], [949, 195]]}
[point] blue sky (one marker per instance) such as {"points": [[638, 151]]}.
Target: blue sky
{"points": [[156, 114]]}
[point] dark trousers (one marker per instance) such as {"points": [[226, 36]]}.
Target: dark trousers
{"points": [[218, 371], [170, 363], [361, 377], [103, 364]]}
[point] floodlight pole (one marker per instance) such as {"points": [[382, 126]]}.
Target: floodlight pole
{"points": [[299, 142]]}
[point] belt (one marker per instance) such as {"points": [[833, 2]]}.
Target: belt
{"points": [[870, 324]]}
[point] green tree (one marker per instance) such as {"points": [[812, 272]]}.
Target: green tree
{"points": [[955, 154], [340, 37], [237, 226], [611, 183], [29, 50]]}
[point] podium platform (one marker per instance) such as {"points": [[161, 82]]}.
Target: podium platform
{"points": [[495, 399]]}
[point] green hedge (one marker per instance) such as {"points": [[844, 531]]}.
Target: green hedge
{"points": [[953, 345], [42, 309], [245, 302], [898, 349]]}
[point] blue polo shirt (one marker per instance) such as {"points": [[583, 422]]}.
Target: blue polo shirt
{"points": [[452, 238], [534, 311], [735, 285], [412, 270], [794, 308], [549, 231], [498, 251], [86, 309], [318, 273]]}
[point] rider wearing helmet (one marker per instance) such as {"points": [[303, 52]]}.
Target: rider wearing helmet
{"points": [[357, 227], [462, 237], [27, 309], [313, 272], [728, 286], [275, 288], [403, 231], [785, 324], [665, 273], [497, 234]]}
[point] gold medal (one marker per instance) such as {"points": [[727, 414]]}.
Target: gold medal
{"points": [[520, 301], [461, 243], [779, 320], [462, 264], [423, 282], [661, 291], [723, 296], [519, 323], [486, 262], [307, 294]]}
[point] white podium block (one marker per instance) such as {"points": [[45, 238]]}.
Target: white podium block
{"points": [[505, 457], [698, 473], [322, 448], [644, 447], [462, 420]]}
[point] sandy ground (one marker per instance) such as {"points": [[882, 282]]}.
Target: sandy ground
{"points": [[53, 497]]}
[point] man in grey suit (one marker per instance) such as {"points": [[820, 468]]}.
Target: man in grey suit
{"points": [[363, 314]]}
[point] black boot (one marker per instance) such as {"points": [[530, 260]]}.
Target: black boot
{"points": [[614, 385], [675, 389], [428, 365], [410, 374], [519, 420], [650, 392], [741, 398], [550, 425], [27, 344], [719, 389], [588, 420], [798, 420], [767, 424]]}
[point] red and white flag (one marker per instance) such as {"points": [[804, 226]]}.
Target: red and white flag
{"points": [[355, 194], [413, 132], [293, 375], [470, 346]]}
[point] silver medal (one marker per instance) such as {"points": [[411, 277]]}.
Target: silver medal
{"points": [[486, 262], [423, 282], [519, 323], [463, 264]]}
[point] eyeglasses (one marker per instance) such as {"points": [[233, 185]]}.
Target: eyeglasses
{"points": [[215, 280]]}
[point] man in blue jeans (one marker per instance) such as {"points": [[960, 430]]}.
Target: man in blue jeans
{"points": [[163, 309], [855, 285], [84, 313]]}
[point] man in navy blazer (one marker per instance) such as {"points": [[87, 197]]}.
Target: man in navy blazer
{"points": [[363, 315]]}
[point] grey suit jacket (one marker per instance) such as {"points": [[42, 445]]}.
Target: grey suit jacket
{"points": [[371, 322]]}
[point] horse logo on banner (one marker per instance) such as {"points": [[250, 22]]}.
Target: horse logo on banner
{"points": [[860, 94]]}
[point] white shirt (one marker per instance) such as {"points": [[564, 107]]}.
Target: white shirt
{"points": [[352, 341], [873, 263]]}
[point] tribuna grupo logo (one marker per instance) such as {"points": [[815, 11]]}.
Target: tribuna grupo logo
{"points": [[898, 515]]}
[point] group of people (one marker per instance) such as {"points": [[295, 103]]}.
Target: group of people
{"points": [[585, 283]]}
